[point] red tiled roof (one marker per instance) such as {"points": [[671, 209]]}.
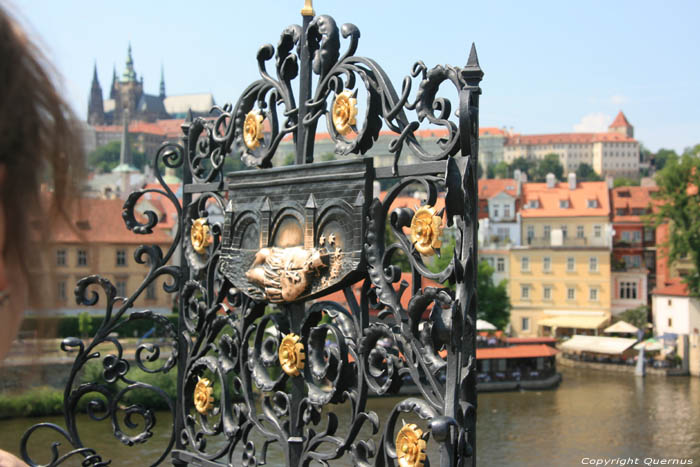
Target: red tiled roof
{"points": [[484, 131], [578, 200], [99, 221], [628, 198], [488, 188], [676, 288], [620, 120], [567, 138], [530, 340], [517, 351]]}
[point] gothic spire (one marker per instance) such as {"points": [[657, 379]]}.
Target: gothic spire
{"points": [[129, 73], [95, 104], [113, 88], [162, 82]]}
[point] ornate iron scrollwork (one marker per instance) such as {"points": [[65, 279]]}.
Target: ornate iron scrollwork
{"points": [[261, 352]]}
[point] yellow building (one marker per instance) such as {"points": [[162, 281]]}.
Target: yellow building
{"points": [[560, 276], [94, 240]]}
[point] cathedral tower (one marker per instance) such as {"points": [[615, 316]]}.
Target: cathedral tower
{"points": [[96, 111]]}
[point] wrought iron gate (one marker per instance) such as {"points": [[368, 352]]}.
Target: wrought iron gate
{"points": [[263, 358]]}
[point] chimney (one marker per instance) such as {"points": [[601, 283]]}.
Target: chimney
{"points": [[551, 181], [572, 181], [523, 177]]}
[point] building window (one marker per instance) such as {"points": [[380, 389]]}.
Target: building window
{"points": [[593, 264], [61, 290], [593, 294], [525, 263], [637, 236], [121, 257], [570, 293], [648, 234], [670, 322], [151, 291], [60, 257], [82, 258], [563, 203], [547, 264], [579, 231], [592, 203], [500, 265], [564, 231], [570, 264], [632, 261], [496, 210], [506, 210], [597, 231], [490, 261], [530, 232], [525, 324], [628, 290], [547, 293], [626, 236], [121, 287], [525, 292], [547, 232]]}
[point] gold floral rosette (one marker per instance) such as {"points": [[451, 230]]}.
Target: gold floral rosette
{"points": [[344, 112], [199, 235], [253, 129], [426, 229], [203, 400], [410, 446], [291, 355]]}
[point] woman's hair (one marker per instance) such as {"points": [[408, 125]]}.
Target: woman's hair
{"points": [[40, 144]]}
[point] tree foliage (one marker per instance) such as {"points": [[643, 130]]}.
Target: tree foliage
{"points": [[585, 173], [679, 185], [636, 316], [549, 164], [105, 158], [493, 302], [625, 181]]}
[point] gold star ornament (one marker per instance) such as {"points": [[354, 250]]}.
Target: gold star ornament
{"points": [[344, 112], [199, 235], [253, 129], [203, 400]]}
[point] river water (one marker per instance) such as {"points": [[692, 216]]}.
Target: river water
{"points": [[592, 415]]}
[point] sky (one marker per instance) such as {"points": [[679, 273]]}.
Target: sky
{"points": [[550, 67]]}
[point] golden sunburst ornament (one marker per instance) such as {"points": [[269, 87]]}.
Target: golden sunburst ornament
{"points": [[203, 400], [199, 235], [291, 354], [410, 446], [253, 129], [426, 229], [344, 112]]}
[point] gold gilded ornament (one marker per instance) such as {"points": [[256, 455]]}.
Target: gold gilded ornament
{"points": [[291, 354], [253, 129], [203, 400], [344, 112], [308, 9], [426, 229], [199, 235], [410, 447]]}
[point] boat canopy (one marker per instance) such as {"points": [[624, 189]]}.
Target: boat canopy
{"points": [[598, 344], [517, 351]]}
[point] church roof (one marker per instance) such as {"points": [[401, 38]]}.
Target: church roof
{"points": [[179, 105], [150, 104], [619, 121]]}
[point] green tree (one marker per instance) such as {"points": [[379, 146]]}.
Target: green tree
{"points": [[679, 185], [105, 158], [662, 156], [501, 170], [524, 165], [549, 164], [624, 181], [493, 302], [84, 325], [585, 173]]}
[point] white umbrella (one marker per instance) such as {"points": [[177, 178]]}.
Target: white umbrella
{"points": [[621, 327], [482, 325]]}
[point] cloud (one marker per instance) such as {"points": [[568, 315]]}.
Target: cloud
{"points": [[593, 123], [618, 100]]}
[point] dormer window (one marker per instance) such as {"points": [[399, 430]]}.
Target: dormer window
{"points": [[592, 203], [533, 204], [564, 203]]}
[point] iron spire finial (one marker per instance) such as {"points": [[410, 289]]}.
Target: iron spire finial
{"points": [[308, 9]]}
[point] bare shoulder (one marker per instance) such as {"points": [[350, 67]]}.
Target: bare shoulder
{"points": [[8, 460]]}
